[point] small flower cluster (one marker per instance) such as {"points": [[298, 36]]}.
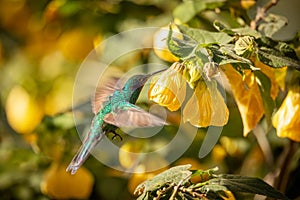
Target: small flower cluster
{"points": [[205, 107]]}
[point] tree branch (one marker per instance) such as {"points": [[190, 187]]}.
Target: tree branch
{"points": [[261, 11]]}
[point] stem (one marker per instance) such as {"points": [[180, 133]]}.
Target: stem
{"points": [[284, 165], [261, 11], [264, 145]]}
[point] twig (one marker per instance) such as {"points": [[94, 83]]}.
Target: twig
{"points": [[261, 11], [284, 165], [177, 186], [264, 145]]}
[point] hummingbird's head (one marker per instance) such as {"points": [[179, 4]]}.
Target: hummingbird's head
{"points": [[138, 81]]}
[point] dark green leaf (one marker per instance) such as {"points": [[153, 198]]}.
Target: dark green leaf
{"points": [[228, 51], [213, 188], [281, 47], [222, 28], [212, 4], [275, 59], [225, 56], [236, 31], [272, 23], [203, 55], [264, 84], [236, 183], [181, 48], [215, 192]]}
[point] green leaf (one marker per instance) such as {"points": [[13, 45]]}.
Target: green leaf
{"points": [[275, 59], [228, 51], [236, 183], [180, 48], [203, 56], [236, 31], [188, 9], [178, 175], [272, 23], [204, 37], [277, 48], [225, 55], [213, 188], [208, 172], [264, 84], [247, 31], [71, 8]]}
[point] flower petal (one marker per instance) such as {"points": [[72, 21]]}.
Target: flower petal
{"points": [[206, 107], [287, 119], [168, 88], [247, 96]]}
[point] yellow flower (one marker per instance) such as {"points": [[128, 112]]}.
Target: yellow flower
{"points": [[168, 88], [206, 106], [287, 119], [247, 96], [275, 79]]}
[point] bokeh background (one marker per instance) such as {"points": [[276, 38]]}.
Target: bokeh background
{"points": [[42, 44]]}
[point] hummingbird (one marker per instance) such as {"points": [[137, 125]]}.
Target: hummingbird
{"points": [[114, 106]]}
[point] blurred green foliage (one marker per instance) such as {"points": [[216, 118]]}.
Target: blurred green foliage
{"points": [[42, 44]]}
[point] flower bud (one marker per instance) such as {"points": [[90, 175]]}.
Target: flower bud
{"points": [[245, 46]]}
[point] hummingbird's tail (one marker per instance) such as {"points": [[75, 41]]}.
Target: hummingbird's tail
{"points": [[87, 145]]}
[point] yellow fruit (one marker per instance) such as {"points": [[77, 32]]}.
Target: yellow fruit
{"points": [[129, 153], [97, 43], [247, 3], [59, 98], [218, 153], [59, 184], [76, 44], [160, 45], [23, 112], [287, 119]]}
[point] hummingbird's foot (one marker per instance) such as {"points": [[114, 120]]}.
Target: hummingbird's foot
{"points": [[116, 135]]}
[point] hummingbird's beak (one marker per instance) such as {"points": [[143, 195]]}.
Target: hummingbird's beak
{"points": [[157, 72]]}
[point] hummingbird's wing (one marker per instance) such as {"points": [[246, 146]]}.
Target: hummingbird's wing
{"points": [[133, 116], [103, 92]]}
